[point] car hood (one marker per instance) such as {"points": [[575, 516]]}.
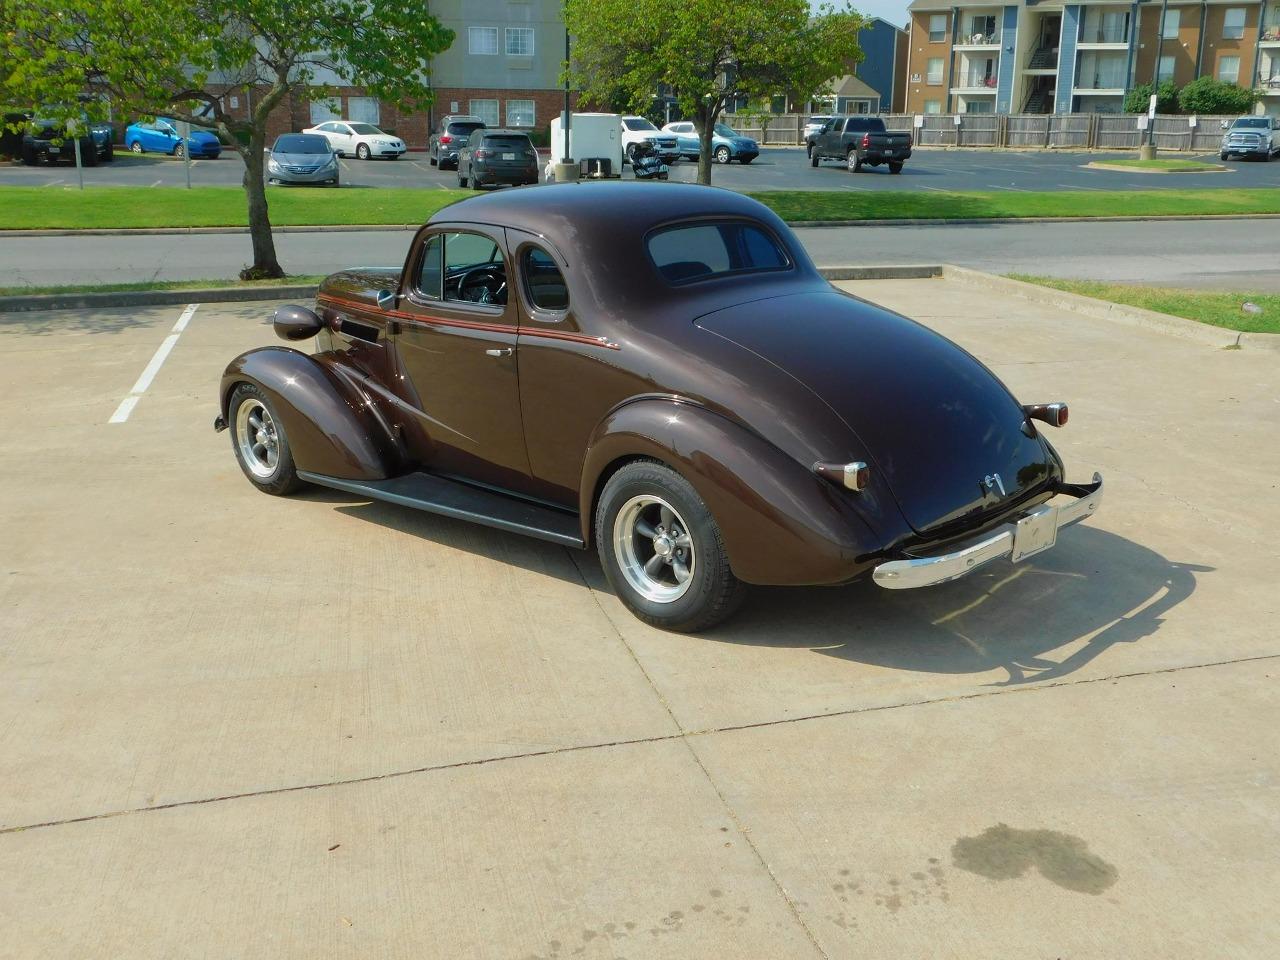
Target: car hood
{"points": [[202, 136], [934, 422], [302, 159]]}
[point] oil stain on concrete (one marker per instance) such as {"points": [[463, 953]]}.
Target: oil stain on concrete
{"points": [[1003, 852]]}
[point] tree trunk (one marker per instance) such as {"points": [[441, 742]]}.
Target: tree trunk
{"points": [[265, 265], [705, 122]]}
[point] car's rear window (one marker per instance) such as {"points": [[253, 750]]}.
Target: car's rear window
{"points": [[464, 129], [508, 143], [697, 251], [301, 143], [364, 129], [873, 124]]}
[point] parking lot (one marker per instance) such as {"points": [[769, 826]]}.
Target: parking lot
{"points": [[776, 168], [236, 725]]}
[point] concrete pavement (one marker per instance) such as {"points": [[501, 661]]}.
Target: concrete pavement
{"points": [[236, 725], [1226, 254]]}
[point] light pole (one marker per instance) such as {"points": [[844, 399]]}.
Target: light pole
{"points": [[1148, 149], [566, 169]]}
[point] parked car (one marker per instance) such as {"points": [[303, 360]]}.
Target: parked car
{"points": [[363, 140], [48, 139], [726, 143], [812, 127], [497, 157], [635, 129], [1251, 137], [302, 158], [662, 373], [161, 136], [453, 132], [861, 141]]}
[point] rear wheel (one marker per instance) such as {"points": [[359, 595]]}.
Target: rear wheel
{"points": [[852, 161], [260, 444], [110, 154], [362, 151], [462, 181], [895, 166], [662, 551]]}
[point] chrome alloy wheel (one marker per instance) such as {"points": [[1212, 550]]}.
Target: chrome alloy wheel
{"points": [[654, 550], [257, 438]]}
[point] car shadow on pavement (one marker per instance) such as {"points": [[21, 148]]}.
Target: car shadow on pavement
{"points": [[1039, 620]]}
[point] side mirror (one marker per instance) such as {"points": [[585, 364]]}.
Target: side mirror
{"points": [[386, 300], [295, 323]]}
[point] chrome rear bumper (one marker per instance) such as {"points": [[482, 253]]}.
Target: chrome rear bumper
{"points": [[1034, 531]]}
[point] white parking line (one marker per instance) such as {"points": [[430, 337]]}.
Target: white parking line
{"points": [[149, 372], [54, 183]]}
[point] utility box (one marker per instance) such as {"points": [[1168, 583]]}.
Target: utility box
{"points": [[592, 136]]}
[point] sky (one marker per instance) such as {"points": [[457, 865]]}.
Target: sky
{"points": [[895, 11]]}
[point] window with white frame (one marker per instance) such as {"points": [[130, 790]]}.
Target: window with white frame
{"points": [[937, 28], [519, 41], [1233, 24], [933, 71], [1165, 71], [1229, 69], [322, 110], [1172, 20], [364, 110], [933, 106], [520, 113], [486, 110], [482, 40]]}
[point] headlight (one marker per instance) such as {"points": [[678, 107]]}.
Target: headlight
{"points": [[273, 166]]}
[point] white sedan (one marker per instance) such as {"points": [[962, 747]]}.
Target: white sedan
{"points": [[362, 139]]}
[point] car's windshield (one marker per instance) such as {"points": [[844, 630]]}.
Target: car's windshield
{"points": [[364, 128], [696, 251], [726, 131], [1261, 122], [301, 143], [638, 123]]}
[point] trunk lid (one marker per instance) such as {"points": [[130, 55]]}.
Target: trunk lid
{"points": [[934, 421]]}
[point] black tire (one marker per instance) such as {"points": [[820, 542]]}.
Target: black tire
{"points": [[1224, 157], [29, 156], [853, 161], [895, 166], [462, 182], [137, 147], [431, 159], [283, 479], [813, 157], [475, 184], [722, 155], [362, 151], [110, 154], [808, 150], [177, 150], [712, 593]]}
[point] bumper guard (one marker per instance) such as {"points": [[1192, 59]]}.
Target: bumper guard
{"points": [[1034, 531]]}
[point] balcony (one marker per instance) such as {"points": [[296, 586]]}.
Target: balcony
{"points": [[1114, 37], [979, 41], [1270, 37], [975, 83]]}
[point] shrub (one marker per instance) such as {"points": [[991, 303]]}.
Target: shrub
{"points": [[1136, 100], [1211, 96]]}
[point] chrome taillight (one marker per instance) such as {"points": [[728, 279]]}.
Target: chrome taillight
{"points": [[1054, 414], [853, 476]]}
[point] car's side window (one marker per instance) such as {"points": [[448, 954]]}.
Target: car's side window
{"points": [[429, 272], [474, 271], [543, 282]]}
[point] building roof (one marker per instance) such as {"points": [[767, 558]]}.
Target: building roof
{"points": [[853, 86]]}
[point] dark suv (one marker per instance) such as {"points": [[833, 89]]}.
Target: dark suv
{"points": [[444, 144], [47, 140], [497, 157]]}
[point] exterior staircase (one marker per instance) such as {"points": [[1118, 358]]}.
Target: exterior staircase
{"points": [[1046, 58], [1037, 102]]}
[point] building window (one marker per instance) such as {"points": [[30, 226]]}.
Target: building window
{"points": [[323, 110], [937, 28], [1172, 20], [364, 110], [486, 110], [519, 113], [979, 106], [1166, 70], [1229, 69], [778, 104], [933, 71], [933, 106], [1233, 24], [519, 41], [483, 40]]}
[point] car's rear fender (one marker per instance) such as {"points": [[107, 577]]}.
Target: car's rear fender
{"points": [[332, 425], [780, 522]]}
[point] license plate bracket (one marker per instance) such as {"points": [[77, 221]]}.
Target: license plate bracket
{"points": [[1036, 532], [508, 156]]}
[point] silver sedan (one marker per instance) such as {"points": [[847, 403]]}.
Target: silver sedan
{"points": [[302, 158]]}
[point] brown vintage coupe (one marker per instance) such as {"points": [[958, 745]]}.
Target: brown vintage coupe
{"points": [[660, 371]]}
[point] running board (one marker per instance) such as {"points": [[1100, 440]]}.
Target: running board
{"points": [[423, 491]]}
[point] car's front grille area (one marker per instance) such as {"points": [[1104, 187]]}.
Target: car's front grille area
{"points": [[299, 168], [1248, 140]]}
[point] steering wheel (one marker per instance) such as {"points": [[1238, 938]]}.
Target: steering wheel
{"points": [[490, 271]]}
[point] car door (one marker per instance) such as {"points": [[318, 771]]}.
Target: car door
{"points": [[150, 137], [166, 136], [456, 354]]}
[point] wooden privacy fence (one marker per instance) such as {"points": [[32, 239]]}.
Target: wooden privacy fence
{"points": [[1078, 131]]}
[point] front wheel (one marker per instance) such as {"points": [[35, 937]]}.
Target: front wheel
{"points": [[178, 150], [895, 166], [662, 551], [813, 157], [136, 147], [722, 155], [1223, 157], [362, 151], [259, 440]]}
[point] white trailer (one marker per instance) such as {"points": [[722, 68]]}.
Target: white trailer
{"points": [[591, 136]]}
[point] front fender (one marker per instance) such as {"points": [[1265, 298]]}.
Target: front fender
{"points": [[781, 523], [332, 428]]}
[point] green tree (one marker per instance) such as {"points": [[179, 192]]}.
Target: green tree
{"points": [[1209, 96], [179, 57], [1137, 99], [707, 51]]}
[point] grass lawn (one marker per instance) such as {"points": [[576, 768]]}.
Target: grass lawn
{"points": [[1171, 165], [32, 208], [1207, 306], [157, 285]]}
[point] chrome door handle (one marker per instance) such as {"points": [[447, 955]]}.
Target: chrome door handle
{"points": [[504, 352]]}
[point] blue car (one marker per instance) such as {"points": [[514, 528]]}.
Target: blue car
{"points": [[161, 136], [726, 143]]}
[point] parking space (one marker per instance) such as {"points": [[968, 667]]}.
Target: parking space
{"points": [[320, 726], [776, 168]]}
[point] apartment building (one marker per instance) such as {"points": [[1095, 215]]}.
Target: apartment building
{"points": [[1057, 57]]}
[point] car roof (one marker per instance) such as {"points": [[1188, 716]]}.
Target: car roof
{"points": [[502, 132]]}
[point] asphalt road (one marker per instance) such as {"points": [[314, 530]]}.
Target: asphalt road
{"points": [[774, 169], [1238, 254]]}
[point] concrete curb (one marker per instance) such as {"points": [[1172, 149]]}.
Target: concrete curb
{"points": [[152, 298], [1118, 168]]}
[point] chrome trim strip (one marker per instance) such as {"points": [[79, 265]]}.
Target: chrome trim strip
{"points": [[927, 571]]}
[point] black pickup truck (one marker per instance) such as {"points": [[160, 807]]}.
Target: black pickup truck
{"points": [[859, 141]]}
